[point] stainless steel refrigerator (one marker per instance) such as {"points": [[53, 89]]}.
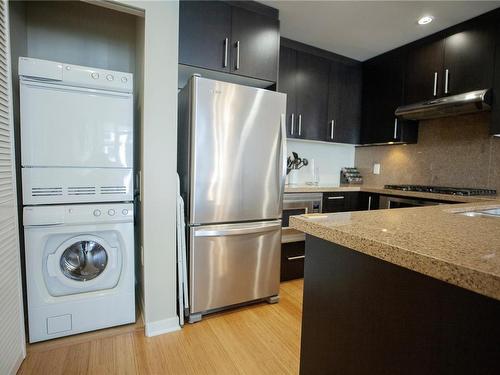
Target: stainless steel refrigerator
{"points": [[232, 167]]}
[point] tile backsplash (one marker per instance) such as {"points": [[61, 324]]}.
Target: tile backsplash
{"points": [[453, 151]]}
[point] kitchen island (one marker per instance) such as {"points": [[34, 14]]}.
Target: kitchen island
{"points": [[406, 291]]}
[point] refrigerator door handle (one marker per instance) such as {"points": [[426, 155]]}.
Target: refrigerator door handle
{"points": [[238, 229], [283, 156]]}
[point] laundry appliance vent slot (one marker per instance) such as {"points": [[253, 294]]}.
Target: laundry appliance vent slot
{"points": [[113, 190], [81, 190], [46, 192]]}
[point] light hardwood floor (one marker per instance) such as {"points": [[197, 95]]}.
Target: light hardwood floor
{"points": [[257, 339]]}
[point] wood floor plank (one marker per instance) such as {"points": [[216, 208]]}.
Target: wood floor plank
{"points": [[257, 339]]}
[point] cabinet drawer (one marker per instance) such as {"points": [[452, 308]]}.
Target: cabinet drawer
{"points": [[292, 260], [336, 202]]}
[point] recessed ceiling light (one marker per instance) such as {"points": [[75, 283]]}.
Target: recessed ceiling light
{"points": [[425, 20]]}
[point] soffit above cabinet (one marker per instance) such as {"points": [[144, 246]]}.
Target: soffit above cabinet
{"points": [[364, 29]]}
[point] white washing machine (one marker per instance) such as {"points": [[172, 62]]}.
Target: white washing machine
{"points": [[76, 133], [80, 268]]}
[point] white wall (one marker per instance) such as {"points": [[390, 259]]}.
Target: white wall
{"points": [[328, 157], [159, 166]]}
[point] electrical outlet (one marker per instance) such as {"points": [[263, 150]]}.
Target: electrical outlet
{"points": [[376, 168]]}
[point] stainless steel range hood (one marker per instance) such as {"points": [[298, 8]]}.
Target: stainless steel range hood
{"points": [[470, 102]]}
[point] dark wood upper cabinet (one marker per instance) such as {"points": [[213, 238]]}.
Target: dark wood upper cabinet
{"points": [[495, 111], [469, 60], [312, 96], [255, 44], [321, 87], [424, 70], [205, 34], [344, 103], [229, 38], [383, 83], [287, 83], [449, 65]]}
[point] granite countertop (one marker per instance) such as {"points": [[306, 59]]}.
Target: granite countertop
{"points": [[381, 190], [319, 188], [432, 240]]}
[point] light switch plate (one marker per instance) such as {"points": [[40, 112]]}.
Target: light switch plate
{"points": [[376, 168]]}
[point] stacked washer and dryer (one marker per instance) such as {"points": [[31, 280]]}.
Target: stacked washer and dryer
{"points": [[77, 185]]}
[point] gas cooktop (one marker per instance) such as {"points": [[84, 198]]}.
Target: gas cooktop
{"points": [[442, 190]]}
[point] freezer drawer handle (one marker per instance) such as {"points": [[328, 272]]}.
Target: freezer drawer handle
{"points": [[297, 257], [236, 231], [336, 197]]}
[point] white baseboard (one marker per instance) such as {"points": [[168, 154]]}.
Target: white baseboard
{"points": [[162, 326], [17, 364]]}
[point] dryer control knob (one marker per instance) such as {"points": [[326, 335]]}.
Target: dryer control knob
{"points": [[95, 75], [97, 213], [124, 79], [111, 212], [109, 77], [125, 212]]}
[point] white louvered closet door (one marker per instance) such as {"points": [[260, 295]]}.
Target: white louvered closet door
{"points": [[12, 339]]}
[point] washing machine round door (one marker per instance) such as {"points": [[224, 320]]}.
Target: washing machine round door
{"points": [[83, 260], [83, 263]]}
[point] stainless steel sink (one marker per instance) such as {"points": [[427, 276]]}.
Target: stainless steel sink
{"points": [[492, 212]]}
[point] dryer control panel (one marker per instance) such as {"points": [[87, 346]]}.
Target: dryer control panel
{"points": [[75, 75], [78, 214]]}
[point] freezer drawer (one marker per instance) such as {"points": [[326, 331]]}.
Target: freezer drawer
{"points": [[233, 263]]}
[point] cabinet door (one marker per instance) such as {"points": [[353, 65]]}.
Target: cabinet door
{"points": [[344, 103], [367, 201], [205, 34], [336, 202], [287, 84], [382, 94], [424, 72], [495, 109], [255, 45], [383, 79], [469, 58], [292, 260], [312, 96]]}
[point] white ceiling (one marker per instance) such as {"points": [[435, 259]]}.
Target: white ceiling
{"points": [[363, 29]]}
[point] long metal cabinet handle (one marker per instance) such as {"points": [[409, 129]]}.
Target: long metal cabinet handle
{"points": [[435, 83], [300, 124], [283, 155], [296, 257], [396, 128], [292, 126], [237, 55], [331, 130], [446, 79], [226, 44], [237, 231], [336, 197], [369, 202]]}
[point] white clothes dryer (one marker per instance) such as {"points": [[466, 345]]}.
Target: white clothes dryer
{"points": [[79, 268], [76, 133]]}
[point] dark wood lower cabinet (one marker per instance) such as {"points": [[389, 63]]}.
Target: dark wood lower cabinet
{"points": [[340, 201], [362, 315], [292, 260], [350, 201], [367, 201]]}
